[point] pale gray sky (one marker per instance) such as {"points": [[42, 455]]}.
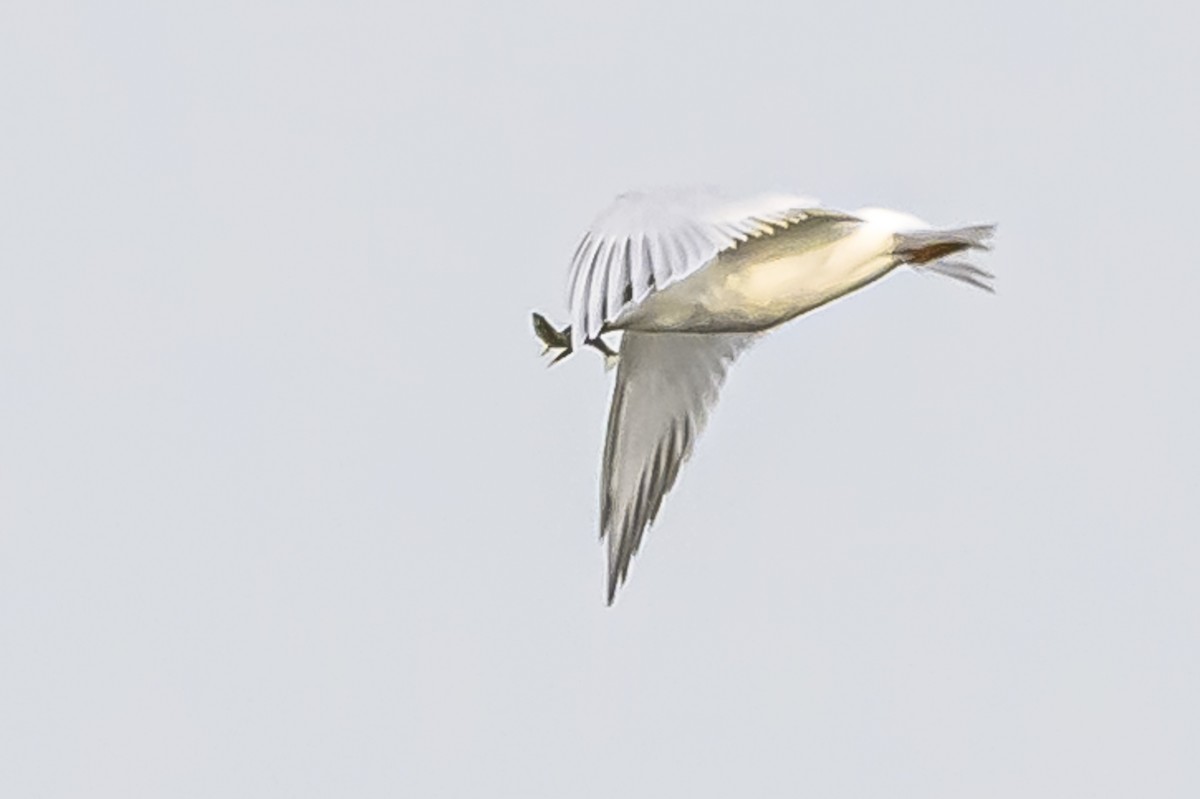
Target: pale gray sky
{"points": [[289, 506]]}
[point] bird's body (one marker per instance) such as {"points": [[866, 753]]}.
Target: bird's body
{"points": [[766, 281], [691, 278]]}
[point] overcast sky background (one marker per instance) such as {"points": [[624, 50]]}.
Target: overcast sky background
{"points": [[289, 505]]}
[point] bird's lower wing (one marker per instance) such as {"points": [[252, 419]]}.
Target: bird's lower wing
{"points": [[666, 384]]}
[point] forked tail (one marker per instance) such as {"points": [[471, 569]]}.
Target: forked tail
{"points": [[926, 250]]}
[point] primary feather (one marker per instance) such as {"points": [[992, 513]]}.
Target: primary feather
{"points": [[666, 384]]}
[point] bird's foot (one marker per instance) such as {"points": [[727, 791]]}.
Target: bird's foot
{"points": [[556, 341], [559, 342]]}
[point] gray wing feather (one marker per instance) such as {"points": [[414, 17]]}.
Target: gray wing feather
{"points": [[666, 385]]}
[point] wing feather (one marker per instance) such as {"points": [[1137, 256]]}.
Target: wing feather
{"points": [[619, 280], [646, 241], [582, 252], [641, 276], [597, 283], [666, 384]]}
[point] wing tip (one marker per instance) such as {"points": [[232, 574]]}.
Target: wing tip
{"points": [[612, 593]]}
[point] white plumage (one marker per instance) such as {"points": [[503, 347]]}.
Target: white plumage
{"points": [[690, 278]]}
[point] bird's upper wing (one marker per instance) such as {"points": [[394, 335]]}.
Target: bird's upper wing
{"points": [[644, 242], [666, 384]]}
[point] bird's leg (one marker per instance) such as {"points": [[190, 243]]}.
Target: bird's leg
{"points": [[601, 346], [553, 339], [561, 340]]}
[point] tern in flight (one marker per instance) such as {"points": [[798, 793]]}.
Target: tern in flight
{"points": [[689, 279]]}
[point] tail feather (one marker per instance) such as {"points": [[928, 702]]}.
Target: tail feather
{"points": [[963, 271], [925, 250]]}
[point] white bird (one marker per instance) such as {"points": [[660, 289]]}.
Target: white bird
{"points": [[690, 278]]}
